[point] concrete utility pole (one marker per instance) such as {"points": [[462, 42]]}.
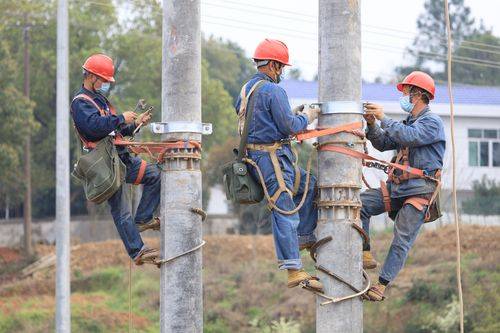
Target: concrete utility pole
{"points": [[181, 298], [62, 226], [339, 175], [28, 248]]}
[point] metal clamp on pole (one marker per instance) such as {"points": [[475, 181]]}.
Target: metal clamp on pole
{"points": [[340, 107], [181, 127]]}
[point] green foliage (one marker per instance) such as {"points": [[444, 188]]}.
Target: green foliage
{"points": [[17, 121], [486, 199], [276, 326], [428, 49], [227, 63], [134, 42], [428, 292]]}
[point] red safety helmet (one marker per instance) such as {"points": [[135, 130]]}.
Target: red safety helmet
{"points": [[421, 80], [100, 65], [272, 49]]}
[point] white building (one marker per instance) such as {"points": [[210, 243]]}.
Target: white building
{"points": [[477, 128]]}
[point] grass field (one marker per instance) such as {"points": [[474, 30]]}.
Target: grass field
{"points": [[244, 292]]}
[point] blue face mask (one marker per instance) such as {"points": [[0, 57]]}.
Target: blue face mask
{"points": [[406, 105], [104, 88]]}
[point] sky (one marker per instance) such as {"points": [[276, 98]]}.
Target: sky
{"points": [[388, 27]]}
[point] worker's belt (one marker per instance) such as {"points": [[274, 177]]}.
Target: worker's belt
{"points": [[271, 149], [432, 210]]}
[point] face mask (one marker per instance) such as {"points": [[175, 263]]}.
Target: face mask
{"points": [[406, 105], [278, 77], [104, 89]]}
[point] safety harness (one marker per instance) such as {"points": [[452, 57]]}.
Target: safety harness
{"points": [[159, 151]]}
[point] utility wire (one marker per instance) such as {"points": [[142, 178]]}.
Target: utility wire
{"points": [[315, 17]]}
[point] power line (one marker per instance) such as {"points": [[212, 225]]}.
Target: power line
{"points": [[443, 39], [314, 34], [427, 55]]}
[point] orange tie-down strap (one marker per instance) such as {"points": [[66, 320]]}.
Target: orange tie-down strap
{"points": [[140, 174], [309, 134], [366, 157]]}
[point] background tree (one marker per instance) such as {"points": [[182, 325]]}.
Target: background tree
{"points": [[429, 47], [227, 63]]}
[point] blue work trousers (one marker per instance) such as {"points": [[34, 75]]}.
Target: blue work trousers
{"points": [[407, 224], [288, 230], [121, 208]]}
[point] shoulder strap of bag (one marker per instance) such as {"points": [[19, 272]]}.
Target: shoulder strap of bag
{"points": [[248, 115]]}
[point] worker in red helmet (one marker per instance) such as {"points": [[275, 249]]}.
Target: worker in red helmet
{"points": [[95, 118], [409, 200], [271, 125]]}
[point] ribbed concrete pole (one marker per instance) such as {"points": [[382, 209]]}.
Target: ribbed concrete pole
{"points": [[181, 306], [339, 175], [63, 315]]}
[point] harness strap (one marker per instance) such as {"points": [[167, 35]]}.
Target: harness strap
{"points": [[385, 196], [309, 134], [271, 203], [418, 202], [296, 184], [242, 112], [271, 149], [90, 144], [140, 174]]}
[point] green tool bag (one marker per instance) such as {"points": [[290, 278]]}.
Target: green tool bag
{"points": [[101, 171], [239, 185]]}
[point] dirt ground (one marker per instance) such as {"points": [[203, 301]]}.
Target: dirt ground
{"points": [[241, 277], [221, 252]]}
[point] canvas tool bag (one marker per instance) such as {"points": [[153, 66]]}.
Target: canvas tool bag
{"points": [[101, 171], [239, 185]]}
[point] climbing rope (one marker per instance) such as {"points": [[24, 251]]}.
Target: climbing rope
{"points": [[164, 261], [130, 295], [453, 163], [271, 203]]}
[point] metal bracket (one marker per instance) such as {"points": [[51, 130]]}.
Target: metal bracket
{"points": [[181, 126], [341, 107]]}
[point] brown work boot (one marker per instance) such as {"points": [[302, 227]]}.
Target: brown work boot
{"points": [[376, 293], [154, 224], [368, 261], [296, 277], [147, 256], [306, 246]]}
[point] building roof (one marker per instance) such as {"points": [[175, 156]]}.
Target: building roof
{"points": [[462, 94]]}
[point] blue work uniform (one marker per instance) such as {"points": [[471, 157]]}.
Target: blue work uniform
{"points": [[425, 137], [272, 121], [94, 127]]}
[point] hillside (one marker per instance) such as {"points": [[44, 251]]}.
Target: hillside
{"points": [[244, 292]]}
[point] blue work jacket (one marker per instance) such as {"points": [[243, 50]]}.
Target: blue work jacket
{"points": [[424, 136], [89, 122], [272, 119]]}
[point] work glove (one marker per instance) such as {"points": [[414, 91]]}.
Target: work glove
{"points": [[311, 113], [298, 109]]}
